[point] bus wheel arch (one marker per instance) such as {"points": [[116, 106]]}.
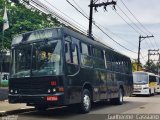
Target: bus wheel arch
{"points": [[86, 98], [88, 87], [119, 99]]}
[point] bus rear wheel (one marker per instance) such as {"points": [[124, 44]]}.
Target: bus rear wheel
{"points": [[119, 100], [85, 104]]}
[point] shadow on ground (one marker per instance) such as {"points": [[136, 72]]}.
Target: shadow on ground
{"points": [[72, 113]]}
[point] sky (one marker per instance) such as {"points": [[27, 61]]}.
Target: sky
{"points": [[116, 24]]}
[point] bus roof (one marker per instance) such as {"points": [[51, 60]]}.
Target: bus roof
{"points": [[71, 32], [85, 38]]}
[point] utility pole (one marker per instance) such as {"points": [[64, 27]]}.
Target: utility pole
{"points": [[139, 48], [90, 19], [154, 53], [94, 5]]}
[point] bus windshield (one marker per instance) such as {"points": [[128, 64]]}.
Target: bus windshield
{"points": [[140, 78], [41, 58]]}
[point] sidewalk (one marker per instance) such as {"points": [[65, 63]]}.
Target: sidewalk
{"points": [[7, 109]]}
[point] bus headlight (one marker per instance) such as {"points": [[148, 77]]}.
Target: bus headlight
{"points": [[11, 91], [54, 89], [49, 91], [16, 92]]}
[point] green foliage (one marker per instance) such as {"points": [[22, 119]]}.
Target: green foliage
{"points": [[22, 19], [135, 65], [151, 67]]}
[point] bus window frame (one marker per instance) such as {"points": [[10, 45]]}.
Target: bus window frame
{"points": [[100, 57], [71, 42], [89, 55]]}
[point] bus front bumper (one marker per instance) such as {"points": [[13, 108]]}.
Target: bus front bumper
{"points": [[141, 92], [157, 90], [51, 99]]}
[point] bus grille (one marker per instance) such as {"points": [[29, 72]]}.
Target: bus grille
{"points": [[30, 85]]}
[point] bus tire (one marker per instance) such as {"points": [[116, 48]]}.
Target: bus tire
{"points": [[119, 100], [154, 91], [85, 104], [149, 93]]}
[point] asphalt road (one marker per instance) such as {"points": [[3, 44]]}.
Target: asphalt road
{"points": [[100, 111]]}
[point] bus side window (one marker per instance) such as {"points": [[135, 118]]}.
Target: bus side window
{"points": [[108, 56], [71, 52], [98, 55], [86, 55], [75, 54], [67, 52], [85, 49]]}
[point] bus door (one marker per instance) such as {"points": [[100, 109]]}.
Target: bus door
{"points": [[152, 83], [72, 69], [100, 71]]}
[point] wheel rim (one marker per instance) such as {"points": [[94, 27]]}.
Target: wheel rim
{"points": [[86, 102]]}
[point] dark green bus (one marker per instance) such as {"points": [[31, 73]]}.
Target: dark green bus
{"points": [[60, 66]]}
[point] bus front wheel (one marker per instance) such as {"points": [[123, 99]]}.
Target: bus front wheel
{"points": [[85, 104], [149, 93]]}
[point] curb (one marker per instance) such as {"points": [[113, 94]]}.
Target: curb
{"points": [[17, 111]]}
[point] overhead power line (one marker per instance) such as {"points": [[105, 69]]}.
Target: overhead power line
{"points": [[64, 13], [130, 26], [132, 21], [86, 16], [43, 8], [144, 28], [135, 17], [80, 8], [101, 29], [127, 23], [114, 40]]}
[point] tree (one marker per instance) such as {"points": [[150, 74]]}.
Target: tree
{"points": [[151, 67], [135, 64], [22, 19]]}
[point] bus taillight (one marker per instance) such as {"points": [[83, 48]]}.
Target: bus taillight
{"points": [[52, 98], [61, 89], [53, 83]]}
